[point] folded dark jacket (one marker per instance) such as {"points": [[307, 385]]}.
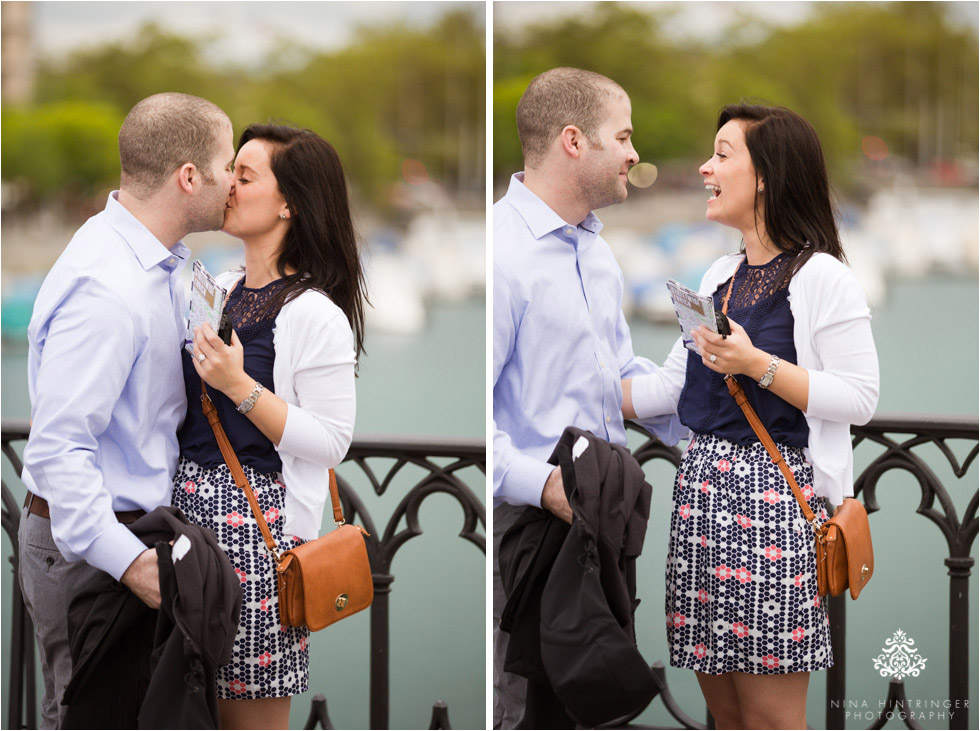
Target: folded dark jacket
{"points": [[134, 667], [571, 590]]}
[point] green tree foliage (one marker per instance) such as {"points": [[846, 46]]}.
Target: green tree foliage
{"points": [[62, 147], [399, 93], [899, 71], [120, 73], [395, 92]]}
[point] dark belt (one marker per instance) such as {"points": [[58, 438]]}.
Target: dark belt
{"points": [[37, 505]]}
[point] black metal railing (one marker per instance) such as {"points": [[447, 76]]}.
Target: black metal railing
{"points": [[898, 439], [442, 462], [898, 436]]}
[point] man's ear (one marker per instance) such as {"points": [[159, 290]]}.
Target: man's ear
{"points": [[187, 175], [572, 140]]}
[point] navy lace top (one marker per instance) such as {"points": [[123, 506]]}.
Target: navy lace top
{"points": [[760, 305], [254, 327]]}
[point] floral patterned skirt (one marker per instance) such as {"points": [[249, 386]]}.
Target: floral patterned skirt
{"points": [[741, 582], [269, 660]]}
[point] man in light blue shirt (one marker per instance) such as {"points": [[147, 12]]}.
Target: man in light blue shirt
{"points": [[561, 345], [104, 370]]}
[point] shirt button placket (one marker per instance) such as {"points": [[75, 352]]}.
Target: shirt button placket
{"points": [[597, 353]]}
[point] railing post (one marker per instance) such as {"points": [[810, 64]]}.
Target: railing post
{"points": [[837, 675], [379, 651], [959, 640]]}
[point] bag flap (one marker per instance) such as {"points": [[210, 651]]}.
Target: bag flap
{"points": [[851, 520], [337, 566]]}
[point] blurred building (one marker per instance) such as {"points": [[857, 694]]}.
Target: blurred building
{"points": [[16, 43]]}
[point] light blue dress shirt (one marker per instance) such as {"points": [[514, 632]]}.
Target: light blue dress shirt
{"points": [[560, 342], [106, 386]]}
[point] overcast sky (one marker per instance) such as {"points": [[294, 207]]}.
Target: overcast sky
{"points": [[245, 29], [706, 20], [248, 28]]}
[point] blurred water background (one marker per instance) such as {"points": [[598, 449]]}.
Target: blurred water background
{"points": [[398, 89], [892, 90]]}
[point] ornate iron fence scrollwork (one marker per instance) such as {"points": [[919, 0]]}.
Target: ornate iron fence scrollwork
{"points": [[442, 463], [897, 435], [383, 545]]}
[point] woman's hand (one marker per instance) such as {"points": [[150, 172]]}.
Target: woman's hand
{"points": [[734, 354], [223, 365]]}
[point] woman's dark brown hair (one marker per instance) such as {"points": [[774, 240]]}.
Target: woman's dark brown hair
{"points": [[320, 245], [789, 162]]}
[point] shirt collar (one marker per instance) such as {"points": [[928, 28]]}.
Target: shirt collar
{"points": [[592, 223], [149, 251], [540, 218]]}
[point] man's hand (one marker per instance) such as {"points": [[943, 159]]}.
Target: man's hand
{"points": [[143, 578], [553, 496]]}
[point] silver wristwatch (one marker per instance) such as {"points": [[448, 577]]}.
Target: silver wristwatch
{"points": [[245, 406], [770, 373]]}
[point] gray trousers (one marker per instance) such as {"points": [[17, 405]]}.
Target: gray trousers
{"points": [[509, 690], [47, 581]]}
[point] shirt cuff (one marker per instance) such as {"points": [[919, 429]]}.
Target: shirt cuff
{"points": [[114, 550], [524, 481], [668, 429]]}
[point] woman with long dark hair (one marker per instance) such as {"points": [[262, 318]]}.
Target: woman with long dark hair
{"points": [[742, 606], [284, 390]]}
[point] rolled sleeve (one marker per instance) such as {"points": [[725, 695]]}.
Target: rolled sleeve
{"points": [[72, 409], [320, 425], [661, 419], [845, 387], [658, 393]]}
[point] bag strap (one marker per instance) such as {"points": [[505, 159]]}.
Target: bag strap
{"points": [[231, 459], [738, 393]]}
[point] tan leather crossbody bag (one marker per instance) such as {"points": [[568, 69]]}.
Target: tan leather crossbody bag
{"points": [[320, 581], [845, 559]]}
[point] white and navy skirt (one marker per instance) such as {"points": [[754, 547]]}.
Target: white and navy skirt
{"points": [[741, 582], [269, 660]]}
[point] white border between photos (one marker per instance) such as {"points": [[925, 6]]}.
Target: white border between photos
{"points": [[488, 334]]}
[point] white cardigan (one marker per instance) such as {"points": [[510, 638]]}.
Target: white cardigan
{"points": [[832, 335], [314, 374]]}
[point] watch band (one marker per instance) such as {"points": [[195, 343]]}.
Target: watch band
{"points": [[770, 373], [245, 406]]}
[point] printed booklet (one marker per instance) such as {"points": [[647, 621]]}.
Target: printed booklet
{"points": [[692, 309], [207, 301]]}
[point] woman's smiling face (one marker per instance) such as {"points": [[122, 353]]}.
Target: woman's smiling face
{"points": [[256, 202], [730, 177]]}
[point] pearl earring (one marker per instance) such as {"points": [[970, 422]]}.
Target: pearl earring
{"points": [[760, 189], [283, 215]]}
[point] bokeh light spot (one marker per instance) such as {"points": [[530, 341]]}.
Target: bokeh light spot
{"points": [[643, 174], [874, 148], [414, 172]]}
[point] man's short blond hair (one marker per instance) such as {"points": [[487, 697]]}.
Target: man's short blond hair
{"points": [[558, 98], [163, 132]]}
